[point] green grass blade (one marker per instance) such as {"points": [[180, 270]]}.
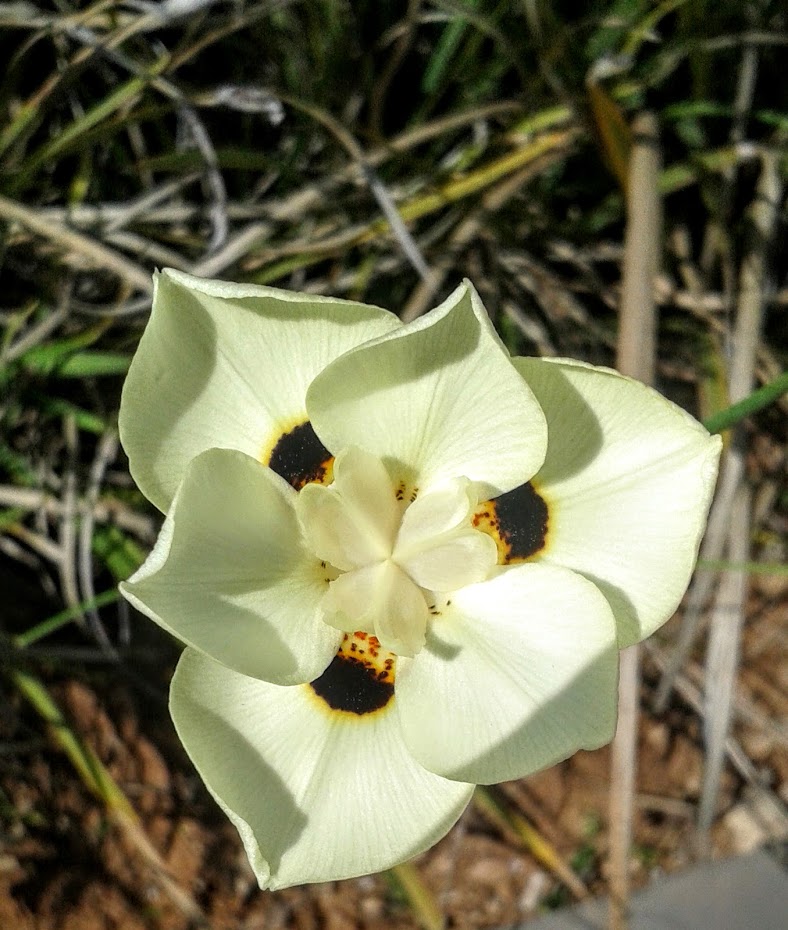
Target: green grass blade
{"points": [[94, 364], [74, 132], [90, 768], [85, 420], [10, 516], [749, 568], [117, 551], [447, 46], [423, 905], [63, 618], [756, 401], [47, 358]]}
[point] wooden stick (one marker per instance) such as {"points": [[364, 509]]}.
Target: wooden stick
{"points": [[635, 357]]}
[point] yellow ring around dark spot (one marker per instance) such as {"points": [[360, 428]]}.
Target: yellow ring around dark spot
{"points": [[518, 521], [360, 678], [300, 457]]}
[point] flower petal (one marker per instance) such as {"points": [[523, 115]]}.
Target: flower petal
{"points": [[461, 558], [380, 599], [517, 673], [436, 399], [436, 544], [353, 521], [315, 794], [438, 510], [229, 576], [227, 365], [629, 478]]}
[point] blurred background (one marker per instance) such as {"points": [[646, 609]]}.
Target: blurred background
{"points": [[378, 151]]}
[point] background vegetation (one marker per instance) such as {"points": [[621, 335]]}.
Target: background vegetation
{"points": [[381, 151]]}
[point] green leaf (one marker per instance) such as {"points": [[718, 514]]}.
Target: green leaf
{"points": [[613, 132], [90, 768], [11, 515], [17, 467], [756, 401], [44, 359], [73, 134], [118, 552], [228, 157], [68, 359], [749, 568], [444, 51], [58, 620], [85, 420], [96, 364]]}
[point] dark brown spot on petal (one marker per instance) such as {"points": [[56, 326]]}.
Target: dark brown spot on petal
{"points": [[360, 678], [517, 521], [300, 457], [522, 521], [353, 686]]}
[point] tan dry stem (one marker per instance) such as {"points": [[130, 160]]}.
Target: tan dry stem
{"points": [[727, 616], [636, 358]]}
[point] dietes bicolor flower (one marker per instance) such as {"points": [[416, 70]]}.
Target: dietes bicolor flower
{"points": [[401, 561]]}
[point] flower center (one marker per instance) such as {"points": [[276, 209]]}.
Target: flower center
{"points": [[394, 553]]}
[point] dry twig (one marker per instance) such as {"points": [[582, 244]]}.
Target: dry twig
{"points": [[722, 658], [636, 355]]}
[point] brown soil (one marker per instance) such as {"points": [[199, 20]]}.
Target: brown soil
{"points": [[64, 865]]}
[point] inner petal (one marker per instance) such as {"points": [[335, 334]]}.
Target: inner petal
{"points": [[353, 522], [382, 600], [454, 560], [439, 509], [389, 551], [437, 545]]}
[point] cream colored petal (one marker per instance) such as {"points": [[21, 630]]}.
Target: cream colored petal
{"points": [[353, 521], [629, 478], [436, 544], [316, 795], [455, 560], [382, 600], [518, 673], [437, 510], [227, 365], [229, 575], [437, 399]]}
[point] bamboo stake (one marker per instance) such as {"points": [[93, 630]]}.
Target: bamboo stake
{"points": [[635, 357]]}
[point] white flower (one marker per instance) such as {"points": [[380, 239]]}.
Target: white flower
{"points": [[402, 562]]}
